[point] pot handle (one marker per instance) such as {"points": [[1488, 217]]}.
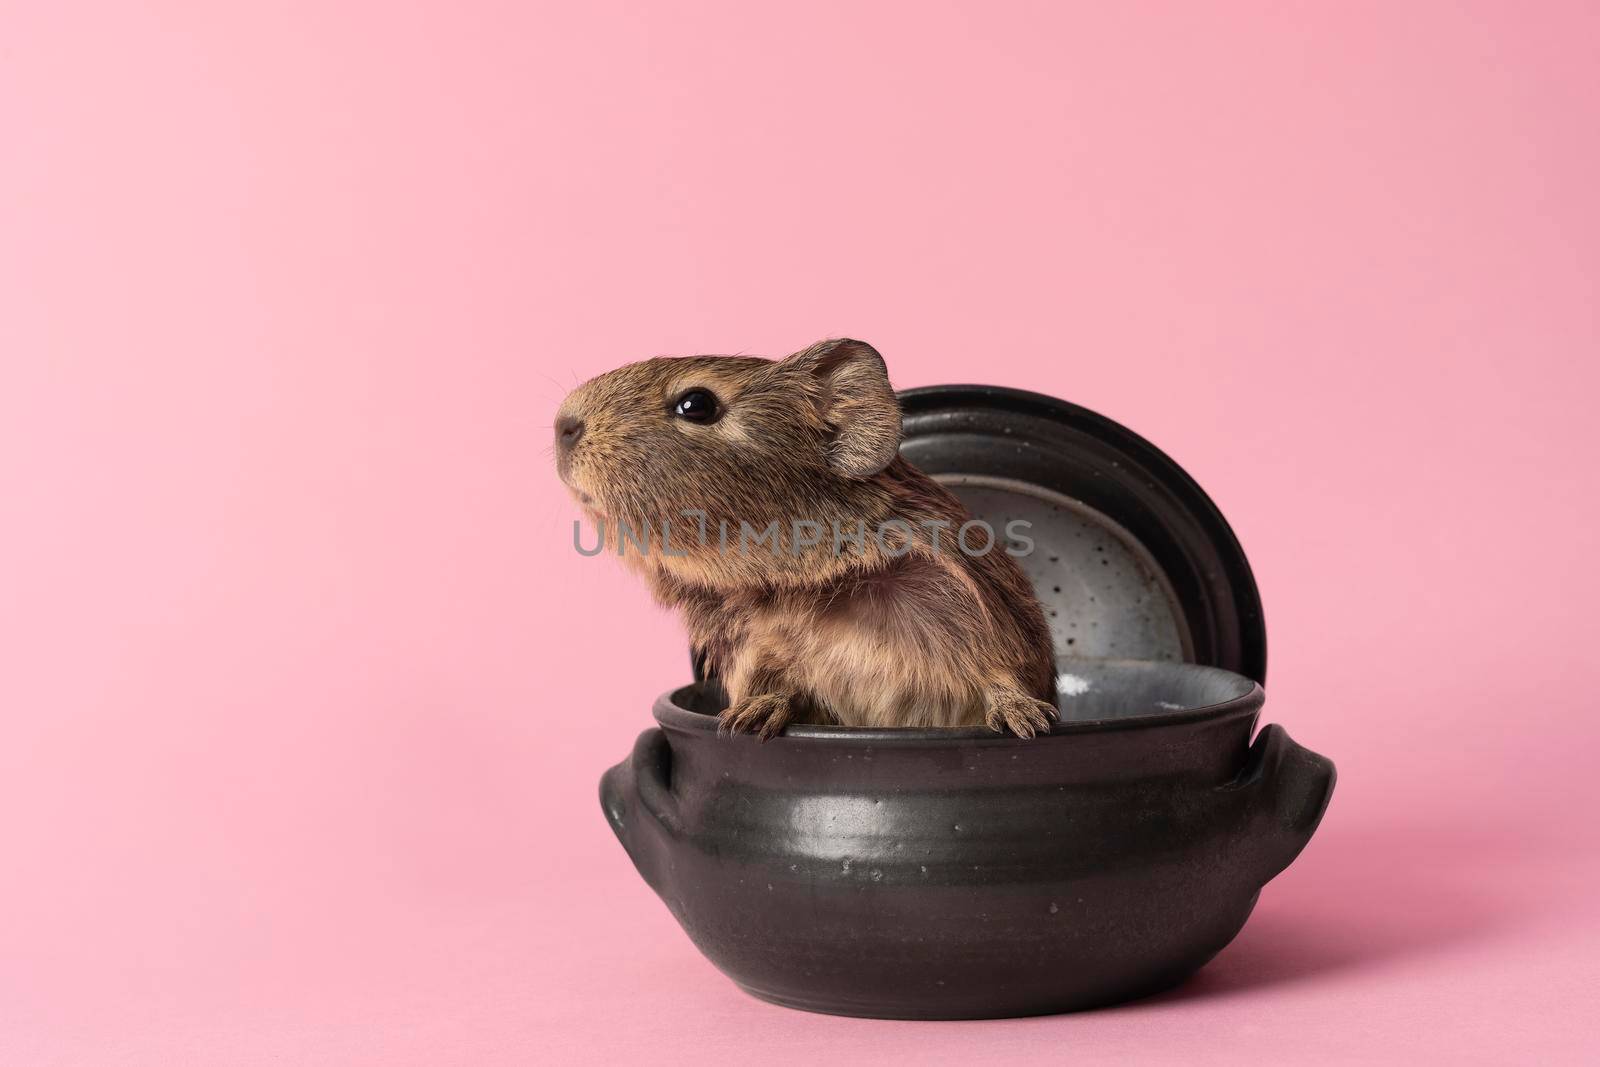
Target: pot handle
{"points": [[643, 780], [1289, 786], [652, 768], [636, 796]]}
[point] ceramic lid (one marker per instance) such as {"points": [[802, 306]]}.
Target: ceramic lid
{"points": [[1131, 559]]}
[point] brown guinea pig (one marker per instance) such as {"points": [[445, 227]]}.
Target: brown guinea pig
{"points": [[820, 575]]}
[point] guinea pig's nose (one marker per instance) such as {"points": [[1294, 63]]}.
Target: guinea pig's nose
{"points": [[568, 430]]}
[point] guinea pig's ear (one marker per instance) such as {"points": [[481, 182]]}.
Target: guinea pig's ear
{"points": [[849, 385]]}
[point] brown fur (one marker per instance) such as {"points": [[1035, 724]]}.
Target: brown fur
{"points": [[862, 638]]}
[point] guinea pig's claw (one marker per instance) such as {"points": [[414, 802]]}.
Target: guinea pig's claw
{"points": [[1018, 713], [765, 715]]}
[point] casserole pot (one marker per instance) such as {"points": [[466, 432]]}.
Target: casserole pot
{"points": [[959, 873]]}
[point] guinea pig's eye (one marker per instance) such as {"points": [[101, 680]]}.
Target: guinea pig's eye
{"points": [[697, 405]]}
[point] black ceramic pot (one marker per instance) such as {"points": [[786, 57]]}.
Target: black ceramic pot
{"points": [[946, 874]]}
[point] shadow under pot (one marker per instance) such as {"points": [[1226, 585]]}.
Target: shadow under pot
{"points": [[946, 874]]}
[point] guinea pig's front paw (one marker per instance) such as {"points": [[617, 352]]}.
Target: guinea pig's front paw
{"points": [[765, 715], [1011, 709]]}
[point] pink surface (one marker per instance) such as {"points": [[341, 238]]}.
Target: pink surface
{"points": [[305, 693]]}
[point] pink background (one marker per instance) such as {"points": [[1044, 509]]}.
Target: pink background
{"points": [[305, 693]]}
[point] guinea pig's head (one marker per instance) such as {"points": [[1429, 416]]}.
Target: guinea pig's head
{"points": [[737, 438]]}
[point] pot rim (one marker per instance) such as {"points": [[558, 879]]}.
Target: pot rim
{"points": [[670, 712]]}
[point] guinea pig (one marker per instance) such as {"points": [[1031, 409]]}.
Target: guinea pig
{"points": [[820, 575]]}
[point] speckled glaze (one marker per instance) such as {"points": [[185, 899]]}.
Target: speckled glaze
{"points": [[944, 874], [1010, 453]]}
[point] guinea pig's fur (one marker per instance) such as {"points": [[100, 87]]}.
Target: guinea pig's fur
{"points": [[894, 633]]}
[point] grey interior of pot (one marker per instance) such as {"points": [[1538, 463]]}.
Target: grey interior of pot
{"points": [[1103, 594], [1088, 689]]}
